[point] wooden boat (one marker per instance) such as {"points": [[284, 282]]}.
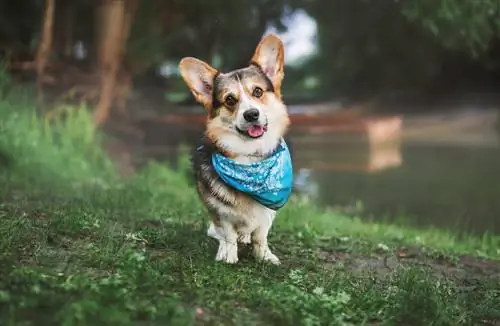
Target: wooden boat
{"points": [[376, 128], [337, 141]]}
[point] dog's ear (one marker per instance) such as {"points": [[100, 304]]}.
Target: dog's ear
{"points": [[199, 77], [270, 57]]}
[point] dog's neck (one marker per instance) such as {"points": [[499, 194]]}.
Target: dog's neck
{"points": [[253, 158], [241, 158]]}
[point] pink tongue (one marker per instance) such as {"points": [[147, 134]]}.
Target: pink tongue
{"points": [[255, 131]]}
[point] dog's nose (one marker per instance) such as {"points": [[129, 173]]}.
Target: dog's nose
{"points": [[251, 115]]}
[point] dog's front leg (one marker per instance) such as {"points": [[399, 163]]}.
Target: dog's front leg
{"points": [[259, 239], [227, 236]]}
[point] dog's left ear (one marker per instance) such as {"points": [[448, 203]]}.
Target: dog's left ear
{"points": [[270, 57]]}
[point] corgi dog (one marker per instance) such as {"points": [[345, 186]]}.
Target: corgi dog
{"points": [[243, 168]]}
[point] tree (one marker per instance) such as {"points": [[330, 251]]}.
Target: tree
{"points": [[44, 46], [366, 47], [115, 21], [468, 26], [227, 30]]}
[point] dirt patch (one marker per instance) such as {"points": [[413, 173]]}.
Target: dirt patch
{"points": [[460, 268]]}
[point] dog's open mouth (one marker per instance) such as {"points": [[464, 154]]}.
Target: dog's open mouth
{"points": [[254, 131]]}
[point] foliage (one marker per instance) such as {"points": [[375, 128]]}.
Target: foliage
{"points": [[5, 79], [228, 30], [469, 26], [66, 133], [365, 47], [17, 22]]}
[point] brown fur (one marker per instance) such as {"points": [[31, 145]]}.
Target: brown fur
{"points": [[227, 98]]}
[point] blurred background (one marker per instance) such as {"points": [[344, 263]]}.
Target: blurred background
{"points": [[394, 104]]}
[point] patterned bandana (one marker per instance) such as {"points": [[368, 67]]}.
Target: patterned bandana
{"points": [[269, 181]]}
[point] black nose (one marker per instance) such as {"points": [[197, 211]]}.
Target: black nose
{"points": [[251, 115]]}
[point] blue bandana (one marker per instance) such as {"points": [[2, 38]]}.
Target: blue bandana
{"points": [[269, 181]]}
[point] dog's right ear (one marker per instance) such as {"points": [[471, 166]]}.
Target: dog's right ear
{"points": [[199, 77]]}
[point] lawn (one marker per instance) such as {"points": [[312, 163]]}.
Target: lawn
{"points": [[82, 246]]}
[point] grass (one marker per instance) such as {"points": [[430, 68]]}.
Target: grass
{"points": [[80, 246]]}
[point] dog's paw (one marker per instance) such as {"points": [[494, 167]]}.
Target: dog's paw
{"points": [[227, 253], [266, 255], [227, 258], [244, 238], [272, 258]]}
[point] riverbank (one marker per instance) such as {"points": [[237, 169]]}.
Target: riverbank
{"points": [[81, 245]]}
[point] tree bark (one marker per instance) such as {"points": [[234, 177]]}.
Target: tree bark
{"points": [[44, 46], [111, 21]]}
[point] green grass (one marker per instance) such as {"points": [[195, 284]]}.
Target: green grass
{"points": [[80, 246]]}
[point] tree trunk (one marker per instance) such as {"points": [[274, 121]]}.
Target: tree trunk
{"points": [[44, 46], [111, 21]]}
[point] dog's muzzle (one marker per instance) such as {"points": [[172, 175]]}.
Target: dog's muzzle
{"points": [[255, 128]]}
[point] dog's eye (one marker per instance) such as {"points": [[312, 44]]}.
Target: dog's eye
{"points": [[230, 100], [257, 92]]}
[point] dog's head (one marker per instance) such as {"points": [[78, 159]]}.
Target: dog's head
{"points": [[246, 116]]}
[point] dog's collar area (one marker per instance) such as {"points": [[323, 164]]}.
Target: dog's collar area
{"points": [[212, 149], [269, 181]]}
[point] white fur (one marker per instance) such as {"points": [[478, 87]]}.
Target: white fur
{"points": [[258, 222]]}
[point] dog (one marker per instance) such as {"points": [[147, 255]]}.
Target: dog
{"points": [[243, 168]]}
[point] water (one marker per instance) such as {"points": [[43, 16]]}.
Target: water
{"points": [[440, 170], [444, 186]]}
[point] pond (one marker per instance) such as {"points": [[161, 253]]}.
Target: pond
{"points": [[442, 170]]}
